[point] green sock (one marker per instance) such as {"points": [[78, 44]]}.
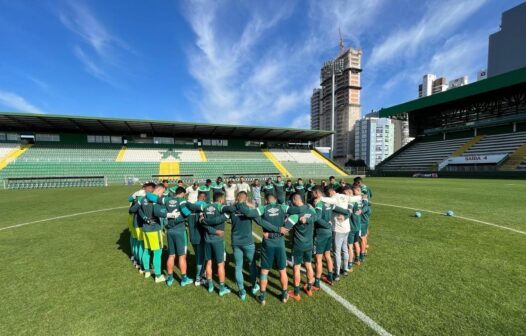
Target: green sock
{"points": [[309, 286], [296, 290], [284, 294], [221, 285], [317, 282], [184, 277], [331, 276], [170, 276], [262, 296], [210, 283]]}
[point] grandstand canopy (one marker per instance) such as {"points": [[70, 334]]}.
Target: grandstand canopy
{"points": [[30, 122], [473, 91]]}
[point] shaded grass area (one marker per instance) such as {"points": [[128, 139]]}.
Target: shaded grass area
{"points": [[435, 275]]}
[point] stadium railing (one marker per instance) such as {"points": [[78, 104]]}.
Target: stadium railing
{"points": [[55, 182]]}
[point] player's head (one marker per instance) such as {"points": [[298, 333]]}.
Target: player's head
{"points": [[195, 185], [208, 182], [180, 183], [201, 196], [348, 191], [159, 189], [311, 181], [289, 182], [219, 179], [271, 198], [165, 183], [180, 192], [331, 191], [241, 196], [279, 178], [296, 199], [300, 181], [149, 187], [323, 182], [331, 179], [256, 182], [357, 191], [269, 180], [230, 182], [219, 198], [357, 180], [241, 179], [342, 182], [317, 192]]}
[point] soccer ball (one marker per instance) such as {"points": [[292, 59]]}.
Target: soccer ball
{"points": [[450, 213], [418, 214]]}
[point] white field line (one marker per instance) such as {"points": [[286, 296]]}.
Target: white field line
{"points": [[461, 217], [349, 306], [61, 217]]}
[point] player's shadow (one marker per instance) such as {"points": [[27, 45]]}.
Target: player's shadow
{"points": [[123, 243]]}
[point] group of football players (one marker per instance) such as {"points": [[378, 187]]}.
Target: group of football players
{"points": [[327, 222]]}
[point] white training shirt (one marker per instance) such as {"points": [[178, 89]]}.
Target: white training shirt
{"points": [[230, 192], [341, 226], [192, 194], [243, 187]]}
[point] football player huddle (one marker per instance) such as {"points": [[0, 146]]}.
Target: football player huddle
{"points": [[327, 222]]}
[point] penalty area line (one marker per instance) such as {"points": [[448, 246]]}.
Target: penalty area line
{"points": [[461, 217], [346, 304], [61, 217]]}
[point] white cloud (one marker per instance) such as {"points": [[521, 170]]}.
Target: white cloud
{"points": [[17, 102], [101, 46], [252, 75], [440, 19]]}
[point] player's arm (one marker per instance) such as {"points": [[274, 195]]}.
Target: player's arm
{"points": [[329, 200], [267, 225], [247, 211], [183, 209], [215, 220]]}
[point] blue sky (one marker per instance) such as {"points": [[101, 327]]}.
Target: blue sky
{"points": [[234, 62]]}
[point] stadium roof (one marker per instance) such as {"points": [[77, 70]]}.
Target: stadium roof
{"points": [[472, 90], [31, 122]]}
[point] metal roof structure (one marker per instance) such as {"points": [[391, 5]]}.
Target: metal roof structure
{"points": [[474, 90], [48, 123]]}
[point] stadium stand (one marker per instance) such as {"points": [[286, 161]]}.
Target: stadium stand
{"points": [[498, 144], [127, 154], [477, 129], [423, 156]]}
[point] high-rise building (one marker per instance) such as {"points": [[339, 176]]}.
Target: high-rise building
{"points": [[315, 109], [346, 68], [374, 140], [507, 47], [431, 85], [457, 82]]}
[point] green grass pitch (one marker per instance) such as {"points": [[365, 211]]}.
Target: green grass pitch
{"points": [[435, 275]]}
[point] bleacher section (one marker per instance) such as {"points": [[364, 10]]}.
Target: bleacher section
{"points": [[118, 164], [497, 144], [156, 154], [6, 148], [423, 156], [304, 162], [71, 153], [116, 172]]}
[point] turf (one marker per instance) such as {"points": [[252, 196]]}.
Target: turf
{"points": [[434, 275]]}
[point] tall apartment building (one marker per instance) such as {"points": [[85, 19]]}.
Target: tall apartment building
{"points": [[507, 47], [315, 109], [374, 140], [347, 101], [431, 85]]}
